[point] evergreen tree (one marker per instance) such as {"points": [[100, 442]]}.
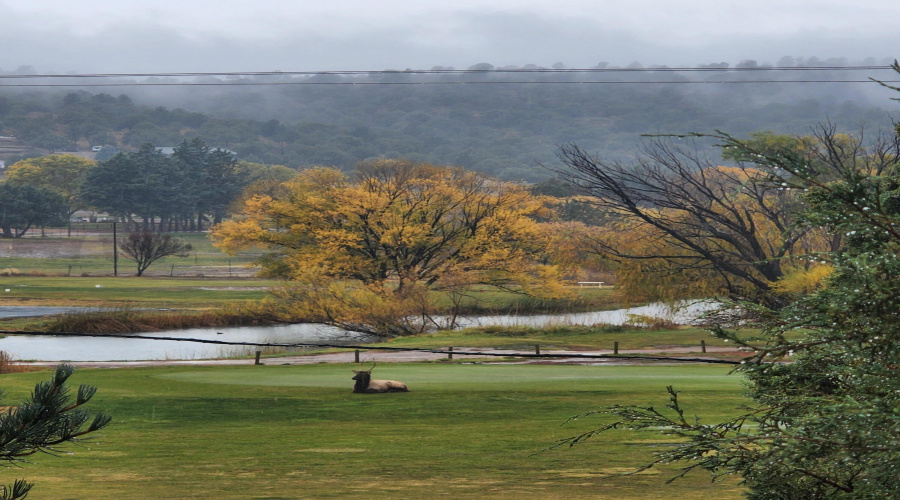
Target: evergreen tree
{"points": [[49, 418], [825, 421]]}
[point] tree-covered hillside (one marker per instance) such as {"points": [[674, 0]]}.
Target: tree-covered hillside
{"points": [[500, 121]]}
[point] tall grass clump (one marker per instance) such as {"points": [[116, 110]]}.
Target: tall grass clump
{"points": [[127, 320], [8, 364]]}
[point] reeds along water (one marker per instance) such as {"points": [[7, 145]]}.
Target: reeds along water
{"points": [[127, 320], [8, 364]]}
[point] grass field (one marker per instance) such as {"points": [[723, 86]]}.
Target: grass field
{"points": [[109, 292], [563, 337], [92, 255], [288, 432]]}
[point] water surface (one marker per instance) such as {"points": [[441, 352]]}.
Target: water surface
{"points": [[136, 348]]}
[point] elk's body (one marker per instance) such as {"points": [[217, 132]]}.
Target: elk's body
{"points": [[365, 384]]}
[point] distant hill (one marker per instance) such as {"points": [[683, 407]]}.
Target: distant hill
{"points": [[500, 122]]}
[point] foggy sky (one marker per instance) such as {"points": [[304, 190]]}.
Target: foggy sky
{"points": [[118, 36]]}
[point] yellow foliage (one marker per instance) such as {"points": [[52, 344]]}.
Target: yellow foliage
{"points": [[61, 173], [403, 224], [804, 280], [751, 238]]}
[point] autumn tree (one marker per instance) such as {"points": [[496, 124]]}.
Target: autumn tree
{"points": [[823, 373], [61, 173], [682, 225], [146, 247], [396, 231]]}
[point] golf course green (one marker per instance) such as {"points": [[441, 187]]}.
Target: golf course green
{"points": [[285, 432]]}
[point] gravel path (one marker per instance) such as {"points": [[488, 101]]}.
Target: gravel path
{"points": [[473, 354]]}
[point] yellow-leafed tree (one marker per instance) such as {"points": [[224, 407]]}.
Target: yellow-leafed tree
{"points": [[61, 173], [366, 252], [679, 225]]}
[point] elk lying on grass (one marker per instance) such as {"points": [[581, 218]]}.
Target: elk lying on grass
{"points": [[365, 384]]}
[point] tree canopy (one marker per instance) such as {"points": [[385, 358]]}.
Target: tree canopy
{"points": [[61, 173], [823, 374], [397, 228], [24, 206], [501, 129], [682, 226], [181, 191], [145, 248]]}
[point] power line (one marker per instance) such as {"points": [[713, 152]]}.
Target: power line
{"points": [[458, 71], [457, 83], [308, 77]]}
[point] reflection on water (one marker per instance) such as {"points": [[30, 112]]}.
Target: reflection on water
{"points": [[682, 315], [135, 348]]}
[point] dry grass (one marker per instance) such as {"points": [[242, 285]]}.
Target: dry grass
{"points": [[9, 365], [138, 321]]}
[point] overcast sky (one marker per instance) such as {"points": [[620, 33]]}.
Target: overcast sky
{"points": [[115, 36]]}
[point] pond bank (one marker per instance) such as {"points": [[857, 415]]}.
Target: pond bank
{"points": [[212, 343], [471, 355]]}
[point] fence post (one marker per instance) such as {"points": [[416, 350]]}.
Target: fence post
{"points": [[356, 356], [257, 358], [537, 349], [616, 347], [703, 346], [450, 353]]}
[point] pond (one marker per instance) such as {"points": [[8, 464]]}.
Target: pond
{"points": [[136, 348]]}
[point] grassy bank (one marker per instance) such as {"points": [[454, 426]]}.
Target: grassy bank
{"points": [[279, 432], [563, 337]]}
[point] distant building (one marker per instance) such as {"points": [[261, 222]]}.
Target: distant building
{"points": [[169, 150]]}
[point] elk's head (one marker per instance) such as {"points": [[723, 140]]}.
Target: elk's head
{"points": [[362, 378]]}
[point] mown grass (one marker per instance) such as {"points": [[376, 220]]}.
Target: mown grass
{"points": [[465, 431], [148, 292], [92, 255], [564, 337]]}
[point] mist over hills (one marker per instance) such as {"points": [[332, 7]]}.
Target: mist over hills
{"points": [[502, 121]]}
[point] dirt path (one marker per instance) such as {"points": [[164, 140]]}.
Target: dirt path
{"points": [[472, 354]]}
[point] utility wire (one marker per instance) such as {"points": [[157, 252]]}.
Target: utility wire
{"points": [[308, 77], [496, 82], [456, 71], [373, 348]]}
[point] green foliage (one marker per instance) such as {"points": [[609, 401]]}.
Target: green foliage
{"points": [[825, 422], [49, 418], [498, 129], [23, 206], [181, 191], [61, 173]]}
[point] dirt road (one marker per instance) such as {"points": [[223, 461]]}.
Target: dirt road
{"points": [[472, 355]]}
